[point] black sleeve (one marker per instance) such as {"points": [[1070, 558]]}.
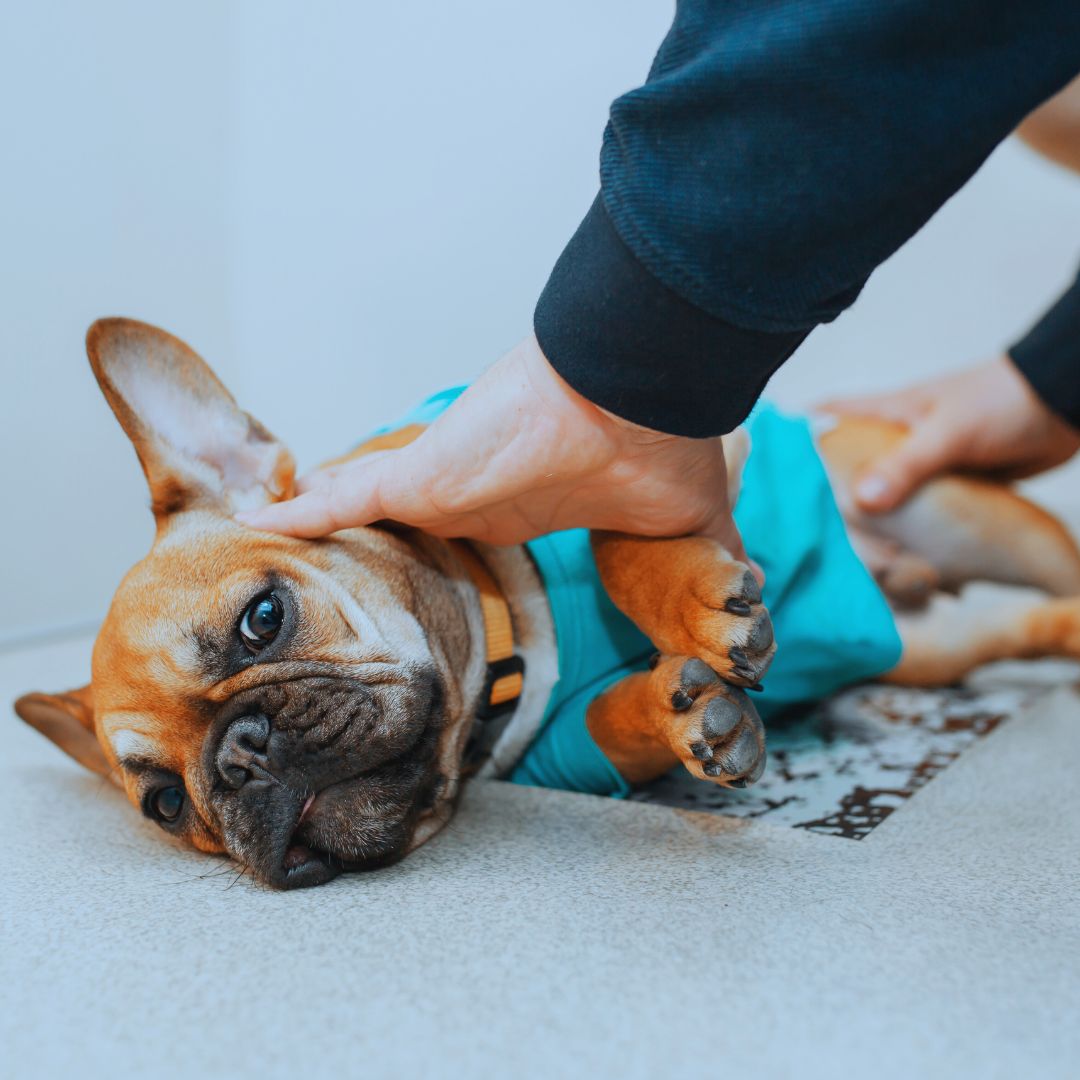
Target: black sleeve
{"points": [[776, 155], [1049, 356]]}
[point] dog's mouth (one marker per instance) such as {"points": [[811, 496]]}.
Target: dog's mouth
{"points": [[329, 813], [298, 855], [320, 847], [306, 863]]}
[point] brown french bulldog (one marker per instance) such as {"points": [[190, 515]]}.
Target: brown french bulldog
{"points": [[305, 706]]}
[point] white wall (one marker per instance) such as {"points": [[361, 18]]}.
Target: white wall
{"points": [[966, 287], [345, 206], [111, 202]]}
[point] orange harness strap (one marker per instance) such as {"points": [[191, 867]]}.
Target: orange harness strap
{"points": [[505, 669]]}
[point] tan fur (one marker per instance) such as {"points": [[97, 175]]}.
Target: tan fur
{"points": [[1053, 129], [627, 723], [676, 591], [164, 396], [67, 720]]}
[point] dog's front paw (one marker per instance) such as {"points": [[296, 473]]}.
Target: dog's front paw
{"points": [[712, 726], [690, 598], [727, 624]]}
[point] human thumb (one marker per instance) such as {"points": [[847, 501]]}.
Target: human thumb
{"points": [[890, 480]]}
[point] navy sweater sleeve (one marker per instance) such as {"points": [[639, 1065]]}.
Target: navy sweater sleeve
{"points": [[778, 152], [1049, 356]]}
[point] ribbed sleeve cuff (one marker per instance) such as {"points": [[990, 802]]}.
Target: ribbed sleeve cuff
{"points": [[1049, 356], [629, 344]]}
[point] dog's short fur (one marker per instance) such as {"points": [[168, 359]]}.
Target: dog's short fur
{"points": [[337, 742]]}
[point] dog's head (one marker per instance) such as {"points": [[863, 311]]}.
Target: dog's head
{"points": [[299, 705]]}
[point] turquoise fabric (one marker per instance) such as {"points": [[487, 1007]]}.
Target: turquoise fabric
{"points": [[833, 626]]}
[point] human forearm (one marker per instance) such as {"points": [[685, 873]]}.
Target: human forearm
{"points": [[777, 154]]}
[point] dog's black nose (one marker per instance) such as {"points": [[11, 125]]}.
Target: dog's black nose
{"points": [[241, 749]]}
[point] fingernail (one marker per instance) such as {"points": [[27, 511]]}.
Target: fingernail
{"points": [[872, 489], [246, 517]]}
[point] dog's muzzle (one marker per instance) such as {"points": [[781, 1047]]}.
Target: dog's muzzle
{"points": [[310, 777]]}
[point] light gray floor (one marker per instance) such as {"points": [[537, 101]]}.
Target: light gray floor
{"points": [[551, 934]]}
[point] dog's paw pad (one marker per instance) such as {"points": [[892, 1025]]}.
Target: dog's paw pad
{"points": [[720, 719], [715, 728]]}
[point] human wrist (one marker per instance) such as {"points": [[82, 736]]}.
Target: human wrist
{"points": [[560, 396], [639, 350]]}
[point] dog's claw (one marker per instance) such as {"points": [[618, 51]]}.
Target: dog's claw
{"points": [[751, 590], [724, 622]]}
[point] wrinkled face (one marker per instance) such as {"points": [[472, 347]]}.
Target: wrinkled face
{"points": [[255, 704], [298, 705]]}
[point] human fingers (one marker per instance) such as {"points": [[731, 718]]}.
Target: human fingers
{"points": [[339, 499], [903, 407], [319, 478], [892, 478]]}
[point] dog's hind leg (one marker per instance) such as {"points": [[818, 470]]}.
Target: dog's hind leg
{"points": [[907, 580], [967, 528], [956, 634], [970, 529], [681, 710]]}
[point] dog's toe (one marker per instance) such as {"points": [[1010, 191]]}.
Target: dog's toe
{"points": [[716, 729], [732, 628]]}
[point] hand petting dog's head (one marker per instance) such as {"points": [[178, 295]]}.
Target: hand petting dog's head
{"points": [[276, 699]]}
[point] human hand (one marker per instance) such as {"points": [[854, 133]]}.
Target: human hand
{"points": [[1054, 127], [985, 418], [520, 454]]}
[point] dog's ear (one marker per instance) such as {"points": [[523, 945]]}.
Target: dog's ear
{"points": [[67, 720], [198, 448]]}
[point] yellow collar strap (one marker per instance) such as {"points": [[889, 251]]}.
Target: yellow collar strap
{"points": [[505, 674]]}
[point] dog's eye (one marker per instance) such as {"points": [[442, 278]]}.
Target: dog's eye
{"points": [[166, 803], [261, 622]]}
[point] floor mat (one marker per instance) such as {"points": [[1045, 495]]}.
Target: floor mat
{"points": [[844, 766]]}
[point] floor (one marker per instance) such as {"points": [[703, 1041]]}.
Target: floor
{"points": [[554, 934]]}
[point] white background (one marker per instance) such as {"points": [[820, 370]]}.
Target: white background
{"points": [[346, 206]]}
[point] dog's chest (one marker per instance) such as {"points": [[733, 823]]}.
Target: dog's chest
{"points": [[568, 632]]}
